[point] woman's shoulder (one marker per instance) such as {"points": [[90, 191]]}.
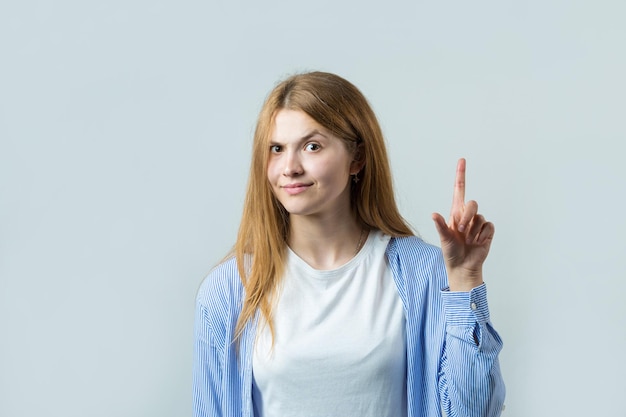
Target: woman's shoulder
{"points": [[412, 247], [222, 284], [413, 257]]}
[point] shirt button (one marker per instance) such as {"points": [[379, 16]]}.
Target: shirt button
{"points": [[473, 306]]}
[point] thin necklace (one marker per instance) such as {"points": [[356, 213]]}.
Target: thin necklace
{"points": [[358, 245]]}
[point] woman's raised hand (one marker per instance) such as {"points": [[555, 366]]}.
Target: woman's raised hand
{"points": [[465, 239]]}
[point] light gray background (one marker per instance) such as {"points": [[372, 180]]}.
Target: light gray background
{"points": [[125, 129]]}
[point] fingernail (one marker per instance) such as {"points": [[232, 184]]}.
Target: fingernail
{"points": [[461, 228]]}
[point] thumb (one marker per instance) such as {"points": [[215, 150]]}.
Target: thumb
{"points": [[444, 231]]}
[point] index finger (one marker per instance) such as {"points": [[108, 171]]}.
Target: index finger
{"points": [[458, 199]]}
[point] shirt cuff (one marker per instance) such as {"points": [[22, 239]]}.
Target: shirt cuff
{"points": [[466, 308]]}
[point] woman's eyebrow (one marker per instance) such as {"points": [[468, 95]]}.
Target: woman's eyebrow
{"points": [[307, 136], [312, 133]]}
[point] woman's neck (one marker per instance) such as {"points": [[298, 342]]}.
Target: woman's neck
{"points": [[326, 244]]}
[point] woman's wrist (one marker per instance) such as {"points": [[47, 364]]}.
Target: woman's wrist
{"points": [[464, 281]]}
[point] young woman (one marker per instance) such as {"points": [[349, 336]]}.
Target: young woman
{"points": [[329, 305]]}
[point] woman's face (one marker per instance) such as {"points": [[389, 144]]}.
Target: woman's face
{"points": [[309, 168]]}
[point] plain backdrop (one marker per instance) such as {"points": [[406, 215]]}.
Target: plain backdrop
{"points": [[125, 135]]}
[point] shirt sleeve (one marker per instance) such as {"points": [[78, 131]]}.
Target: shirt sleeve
{"points": [[470, 382], [206, 368]]}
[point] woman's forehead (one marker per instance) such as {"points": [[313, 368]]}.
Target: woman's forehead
{"points": [[288, 125]]}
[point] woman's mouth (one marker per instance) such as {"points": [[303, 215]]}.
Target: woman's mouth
{"points": [[297, 188]]}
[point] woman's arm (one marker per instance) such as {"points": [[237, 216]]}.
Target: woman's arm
{"points": [[470, 382], [206, 368]]}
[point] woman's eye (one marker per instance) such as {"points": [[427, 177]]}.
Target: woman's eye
{"points": [[312, 147], [275, 149]]}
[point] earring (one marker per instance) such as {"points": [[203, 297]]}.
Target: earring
{"points": [[355, 178]]}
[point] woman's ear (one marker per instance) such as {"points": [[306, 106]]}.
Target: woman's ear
{"points": [[358, 162]]}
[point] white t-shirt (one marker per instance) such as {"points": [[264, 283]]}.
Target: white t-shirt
{"points": [[340, 345]]}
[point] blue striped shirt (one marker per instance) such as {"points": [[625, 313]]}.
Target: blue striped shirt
{"points": [[452, 348]]}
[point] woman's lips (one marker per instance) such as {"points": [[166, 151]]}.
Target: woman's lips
{"points": [[293, 189]]}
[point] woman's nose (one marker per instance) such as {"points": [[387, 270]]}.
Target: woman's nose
{"points": [[293, 165]]}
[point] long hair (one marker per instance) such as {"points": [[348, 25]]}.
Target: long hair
{"points": [[339, 106]]}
